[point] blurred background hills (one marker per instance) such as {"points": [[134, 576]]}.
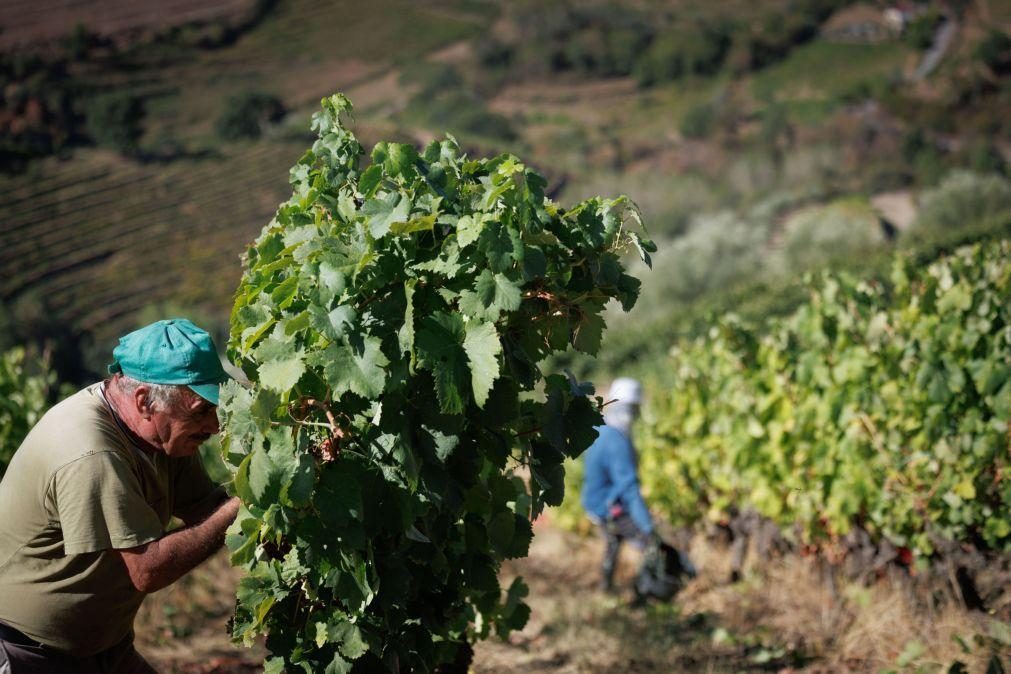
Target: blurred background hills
{"points": [[143, 145]]}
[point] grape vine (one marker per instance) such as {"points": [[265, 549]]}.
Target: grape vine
{"points": [[393, 319], [25, 386], [888, 410]]}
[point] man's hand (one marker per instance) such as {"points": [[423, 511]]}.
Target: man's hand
{"points": [[160, 563]]}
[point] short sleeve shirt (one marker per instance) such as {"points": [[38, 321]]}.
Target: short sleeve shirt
{"points": [[77, 489]]}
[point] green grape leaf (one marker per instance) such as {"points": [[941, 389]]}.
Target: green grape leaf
{"points": [[338, 665], [386, 210], [397, 159], [271, 470], [423, 223], [282, 375], [439, 344], [370, 180], [496, 242], [469, 228], [588, 333], [482, 347], [493, 294], [336, 323], [359, 371], [332, 276], [235, 410], [405, 336], [348, 638]]}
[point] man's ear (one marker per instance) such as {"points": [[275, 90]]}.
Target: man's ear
{"points": [[142, 401]]}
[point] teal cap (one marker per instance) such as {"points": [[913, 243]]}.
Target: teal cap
{"points": [[174, 351]]}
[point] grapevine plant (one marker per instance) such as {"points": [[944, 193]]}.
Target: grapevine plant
{"points": [[393, 320], [886, 409], [25, 386]]}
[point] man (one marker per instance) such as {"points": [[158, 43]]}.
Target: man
{"points": [[87, 498], [611, 495]]}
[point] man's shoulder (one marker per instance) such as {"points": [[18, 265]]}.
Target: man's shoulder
{"points": [[608, 435], [607, 439], [72, 429], [85, 401], [68, 440]]}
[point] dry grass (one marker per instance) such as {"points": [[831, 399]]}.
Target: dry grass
{"points": [[855, 629], [784, 617]]}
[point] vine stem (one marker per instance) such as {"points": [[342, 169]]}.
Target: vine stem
{"points": [[331, 447], [312, 402], [872, 430], [318, 424]]}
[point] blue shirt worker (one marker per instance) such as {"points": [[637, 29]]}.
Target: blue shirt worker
{"points": [[611, 495]]}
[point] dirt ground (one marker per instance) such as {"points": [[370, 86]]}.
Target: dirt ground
{"points": [[782, 618]]}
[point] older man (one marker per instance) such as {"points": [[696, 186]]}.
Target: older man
{"points": [[87, 498]]}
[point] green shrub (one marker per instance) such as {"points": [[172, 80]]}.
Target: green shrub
{"points": [[445, 100], [595, 39], [603, 50], [929, 166], [920, 31], [116, 121], [771, 38], [699, 121], [493, 53], [431, 79], [717, 251], [79, 42], [245, 115], [25, 386], [994, 51], [37, 100], [922, 154], [682, 51], [842, 228], [466, 115], [962, 200], [776, 132], [624, 45], [985, 157], [913, 143], [585, 50]]}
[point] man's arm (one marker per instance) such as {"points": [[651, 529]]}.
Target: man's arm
{"points": [[197, 514], [625, 478], [160, 563]]}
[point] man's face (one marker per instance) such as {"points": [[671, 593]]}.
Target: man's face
{"points": [[183, 429]]}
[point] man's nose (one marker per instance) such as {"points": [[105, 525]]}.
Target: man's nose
{"points": [[212, 425]]}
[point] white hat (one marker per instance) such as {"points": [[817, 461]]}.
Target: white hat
{"points": [[625, 390]]}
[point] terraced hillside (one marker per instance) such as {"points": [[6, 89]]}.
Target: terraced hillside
{"points": [[778, 112], [99, 238], [93, 238]]}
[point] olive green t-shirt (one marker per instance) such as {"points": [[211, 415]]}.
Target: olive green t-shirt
{"points": [[77, 489]]}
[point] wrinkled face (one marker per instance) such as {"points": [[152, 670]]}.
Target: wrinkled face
{"points": [[183, 428]]}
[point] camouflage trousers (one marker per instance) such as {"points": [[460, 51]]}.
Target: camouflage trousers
{"points": [[615, 531]]}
